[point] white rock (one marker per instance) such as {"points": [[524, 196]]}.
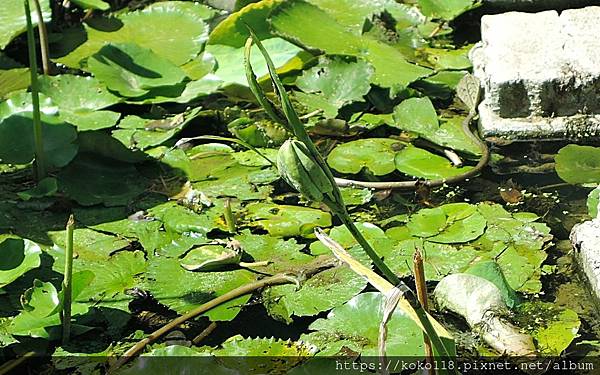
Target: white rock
{"points": [[585, 238], [540, 73]]}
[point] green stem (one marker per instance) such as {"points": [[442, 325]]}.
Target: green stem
{"points": [[67, 280], [40, 171], [229, 217], [43, 33], [362, 241]]}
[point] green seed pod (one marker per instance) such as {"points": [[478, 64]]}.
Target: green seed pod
{"points": [[298, 169]]}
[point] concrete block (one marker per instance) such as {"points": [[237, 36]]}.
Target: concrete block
{"points": [[540, 73], [537, 5], [585, 238]]}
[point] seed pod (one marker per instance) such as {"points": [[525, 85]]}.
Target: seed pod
{"points": [[298, 169]]}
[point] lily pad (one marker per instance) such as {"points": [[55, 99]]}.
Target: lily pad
{"points": [[375, 154], [291, 20], [91, 179], [355, 326], [12, 80], [45, 188], [174, 30], [577, 164], [286, 220], [210, 258], [17, 257], [12, 19], [553, 327], [450, 223], [338, 81], [92, 4], [79, 99], [445, 9], [183, 290], [131, 70], [230, 59], [418, 162]]}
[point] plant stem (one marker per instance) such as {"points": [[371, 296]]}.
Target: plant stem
{"points": [[421, 287], [207, 331], [8, 366], [66, 287], [229, 217], [237, 292], [43, 33], [40, 171], [362, 241]]}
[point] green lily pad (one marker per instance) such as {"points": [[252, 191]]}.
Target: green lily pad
{"points": [[45, 188], [492, 272], [184, 220], [286, 220], [577, 164], [338, 81], [92, 4], [450, 223], [445, 9], [17, 257], [327, 289], [183, 290], [449, 59], [132, 70], [12, 80], [341, 235], [16, 132], [282, 255], [88, 245], [230, 59], [210, 258], [12, 19], [79, 99], [553, 327], [233, 30], [292, 20], [40, 317], [418, 162], [174, 30], [355, 326], [439, 259], [91, 179], [375, 154], [593, 202]]}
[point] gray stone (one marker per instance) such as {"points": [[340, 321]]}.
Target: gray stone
{"points": [[537, 5], [540, 73], [585, 238]]}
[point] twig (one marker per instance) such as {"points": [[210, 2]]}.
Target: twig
{"points": [[207, 331], [453, 157], [67, 280], [311, 114], [11, 365], [237, 292], [43, 33], [421, 287]]}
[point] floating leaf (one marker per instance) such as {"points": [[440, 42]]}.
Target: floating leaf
{"points": [[355, 326], [375, 154], [577, 164], [286, 220], [182, 290], [79, 99], [18, 257], [12, 80], [553, 327], [445, 9], [132, 70], [338, 81], [291, 20], [450, 223], [210, 258], [92, 4], [91, 179], [46, 187], [12, 19], [417, 162], [174, 30], [230, 59], [490, 271]]}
